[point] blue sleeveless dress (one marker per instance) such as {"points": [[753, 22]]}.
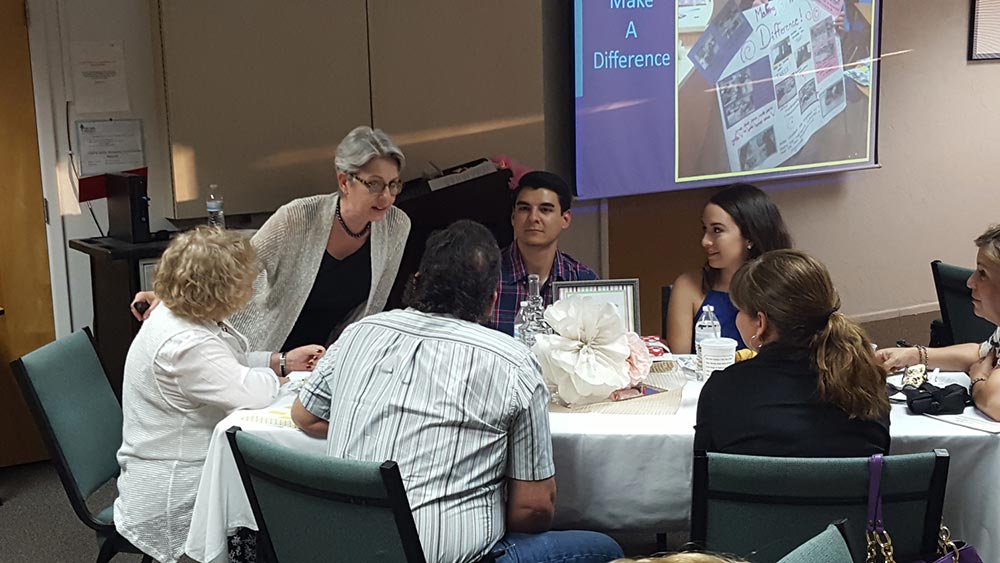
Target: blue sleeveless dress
{"points": [[726, 312]]}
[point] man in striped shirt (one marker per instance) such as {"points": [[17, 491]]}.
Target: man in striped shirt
{"points": [[461, 408]]}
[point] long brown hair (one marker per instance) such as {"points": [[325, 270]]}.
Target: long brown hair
{"points": [[759, 222], [795, 293]]}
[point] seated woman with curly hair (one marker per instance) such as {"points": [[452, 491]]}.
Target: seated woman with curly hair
{"points": [[187, 370]]}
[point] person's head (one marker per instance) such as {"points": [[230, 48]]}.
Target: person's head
{"points": [[740, 223], [985, 281], [458, 273], [368, 166], [541, 210], [206, 274], [686, 557], [787, 297]]}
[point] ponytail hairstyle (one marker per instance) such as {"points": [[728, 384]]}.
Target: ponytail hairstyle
{"points": [[759, 222], [796, 294]]}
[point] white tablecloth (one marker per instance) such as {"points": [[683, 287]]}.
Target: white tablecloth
{"points": [[629, 473]]}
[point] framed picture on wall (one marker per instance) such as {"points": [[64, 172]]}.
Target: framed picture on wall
{"points": [[984, 30], [623, 294]]}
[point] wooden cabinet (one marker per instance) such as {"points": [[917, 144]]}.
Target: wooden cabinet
{"points": [[115, 271]]}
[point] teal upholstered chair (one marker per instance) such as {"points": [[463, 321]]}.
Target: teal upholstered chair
{"points": [[70, 397], [960, 323], [761, 508], [319, 508], [830, 546]]}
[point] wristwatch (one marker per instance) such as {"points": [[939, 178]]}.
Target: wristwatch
{"points": [[281, 363]]}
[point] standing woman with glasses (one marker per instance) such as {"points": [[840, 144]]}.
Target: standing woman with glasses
{"points": [[328, 260]]}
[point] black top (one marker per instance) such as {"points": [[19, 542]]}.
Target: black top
{"points": [[340, 286], [768, 406]]}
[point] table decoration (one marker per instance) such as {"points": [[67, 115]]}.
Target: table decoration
{"points": [[590, 355]]}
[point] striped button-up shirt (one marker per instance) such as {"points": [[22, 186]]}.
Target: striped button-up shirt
{"points": [[460, 407], [512, 288]]}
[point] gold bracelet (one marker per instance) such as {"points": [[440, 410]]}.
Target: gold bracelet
{"points": [[922, 353]]}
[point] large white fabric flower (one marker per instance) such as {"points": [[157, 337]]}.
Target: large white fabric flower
{"points": [[586, 358]]}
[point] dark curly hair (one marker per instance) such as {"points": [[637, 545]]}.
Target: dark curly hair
{"points": [[458, 272]]}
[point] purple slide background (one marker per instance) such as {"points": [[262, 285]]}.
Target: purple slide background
{"points": [[628, 150]]}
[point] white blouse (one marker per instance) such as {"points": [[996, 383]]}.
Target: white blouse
{"points": [[181, 379]]}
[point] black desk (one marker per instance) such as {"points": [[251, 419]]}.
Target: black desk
{"points": [[114, 275], [486, 199]]}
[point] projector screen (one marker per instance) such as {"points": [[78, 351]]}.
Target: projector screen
{"points": [[677, 94]]}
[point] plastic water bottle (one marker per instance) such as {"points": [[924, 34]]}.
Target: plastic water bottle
{"points": [[707, 326], [213, 203]]}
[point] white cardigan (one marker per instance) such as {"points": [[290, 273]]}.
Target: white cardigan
{"points": [[181, 379], [290, 248]]}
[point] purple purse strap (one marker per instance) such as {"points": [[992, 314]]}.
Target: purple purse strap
{"points": [[875, 523]]}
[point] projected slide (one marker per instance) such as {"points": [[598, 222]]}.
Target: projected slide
{"points": [[686, 93]]}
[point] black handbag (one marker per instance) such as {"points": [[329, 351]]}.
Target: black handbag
{"points": [[931, 399]]}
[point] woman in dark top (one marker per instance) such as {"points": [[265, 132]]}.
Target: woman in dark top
{"points": [[814, 390]]}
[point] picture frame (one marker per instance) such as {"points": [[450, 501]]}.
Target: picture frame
{"points": [[622, 293], [984, 30]]}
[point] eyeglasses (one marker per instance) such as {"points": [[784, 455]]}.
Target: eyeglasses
{"points": [[376, 185]]}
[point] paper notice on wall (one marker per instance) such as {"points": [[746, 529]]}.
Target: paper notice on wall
{"points": [[109, 146], [99, 84]]}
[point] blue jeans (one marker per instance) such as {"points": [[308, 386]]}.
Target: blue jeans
{"points": [[571, 546]]}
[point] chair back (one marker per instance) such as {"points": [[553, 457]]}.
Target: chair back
{"points": [[71, 399], [314, 508], [664, 308], [961, 324], [760, 508], [830, 546]]}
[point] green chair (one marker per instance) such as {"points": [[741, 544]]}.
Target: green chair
{"points": [[69, 395], [760, 508], [320, 508], [959, 320], [830, 546]]}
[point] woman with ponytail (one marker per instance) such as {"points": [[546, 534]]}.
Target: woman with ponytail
{"points": [[815, 388]]}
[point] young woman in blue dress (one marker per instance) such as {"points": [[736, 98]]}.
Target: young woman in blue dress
{"points": [[739, 223]]}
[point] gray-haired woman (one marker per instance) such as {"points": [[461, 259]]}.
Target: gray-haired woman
{"points": [[329, 260]]}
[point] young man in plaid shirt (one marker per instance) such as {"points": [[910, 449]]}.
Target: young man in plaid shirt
{"points": [[540, 214]]}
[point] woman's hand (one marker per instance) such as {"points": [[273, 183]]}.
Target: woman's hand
{"points": [[303, 358], [148, 299], [893, 359]]}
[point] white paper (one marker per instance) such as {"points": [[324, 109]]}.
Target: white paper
{"points": [[693, 16], [971, 418], [783, 85], [482, 169], [99, 77], [109, 146]]}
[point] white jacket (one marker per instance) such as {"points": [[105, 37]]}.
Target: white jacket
{"points": [[181, 379]]}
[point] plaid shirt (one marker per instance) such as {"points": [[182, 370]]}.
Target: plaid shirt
{"points": [[513, 285]]}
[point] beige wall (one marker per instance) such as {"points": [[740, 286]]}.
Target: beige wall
{"points": [[877, 230]]}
